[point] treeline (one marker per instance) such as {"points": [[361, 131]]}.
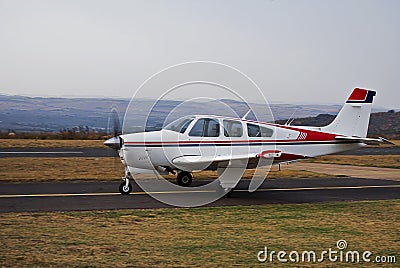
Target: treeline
{"points": [[75, 133]]}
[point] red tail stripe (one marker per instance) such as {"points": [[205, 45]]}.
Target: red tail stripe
{"points": [[358, 94]]}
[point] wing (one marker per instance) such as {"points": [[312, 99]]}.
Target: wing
{"points": [[195, 162], [199, 159]]}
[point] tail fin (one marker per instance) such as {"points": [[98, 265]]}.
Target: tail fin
{"points": [[353, 118]]}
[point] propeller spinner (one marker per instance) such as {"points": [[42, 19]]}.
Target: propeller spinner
{"points": [[116, 141]]}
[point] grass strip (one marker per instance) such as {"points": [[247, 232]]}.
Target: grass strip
{"points": [[382, 161], [199, 237], [24, 169]]}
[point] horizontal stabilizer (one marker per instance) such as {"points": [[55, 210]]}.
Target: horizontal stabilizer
{"points": [[347, 138]]}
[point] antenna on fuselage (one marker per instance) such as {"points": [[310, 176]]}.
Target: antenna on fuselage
{"points": [[246, 114], [291, 119]]}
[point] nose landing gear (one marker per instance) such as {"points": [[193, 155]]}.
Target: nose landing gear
{"points": [[126, 187]]}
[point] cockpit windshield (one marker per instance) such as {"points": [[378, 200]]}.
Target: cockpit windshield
{"points": [[180, 125]]}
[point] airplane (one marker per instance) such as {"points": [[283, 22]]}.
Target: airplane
{"points": [[211, 142]]}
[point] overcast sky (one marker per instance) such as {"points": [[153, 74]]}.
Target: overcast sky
{"points": [[296, 51]]}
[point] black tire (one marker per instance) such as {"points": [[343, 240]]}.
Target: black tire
{"points": [[184, 179], [229, 193], [123, 190]]}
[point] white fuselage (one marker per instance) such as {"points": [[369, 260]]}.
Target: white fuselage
{"points": [[226, 138]]}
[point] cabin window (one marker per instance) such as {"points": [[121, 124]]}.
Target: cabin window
{"points": [[233, 128], [258, 131], [205, 127], [179, 125], [253, 130]]}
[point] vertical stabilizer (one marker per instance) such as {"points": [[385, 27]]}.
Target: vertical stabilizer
{"points": [[353, 118]]}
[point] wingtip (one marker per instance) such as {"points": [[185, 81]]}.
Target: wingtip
{"points": [[386, 141]]}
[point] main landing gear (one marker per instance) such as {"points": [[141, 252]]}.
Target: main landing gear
{"points": [[229, 192], [126, 187], [184, 179]]}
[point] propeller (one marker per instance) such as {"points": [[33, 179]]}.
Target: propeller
{"points": [[114, 130], [115, 141], [116, 123]]}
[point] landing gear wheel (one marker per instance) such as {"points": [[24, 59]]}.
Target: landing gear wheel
{"points": [[184, 178], [125, 189], [229, 193]]}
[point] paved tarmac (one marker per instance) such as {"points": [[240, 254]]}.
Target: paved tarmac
{"points": [[73, 196], [107, 152]]}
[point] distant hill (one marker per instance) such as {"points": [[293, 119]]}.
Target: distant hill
{"points": [[385, 124], [21, 113]]}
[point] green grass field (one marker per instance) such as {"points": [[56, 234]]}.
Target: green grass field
{"points": [[199, 237]]}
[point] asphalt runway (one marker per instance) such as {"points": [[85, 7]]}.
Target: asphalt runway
{"points": [[107, 152], [75, 196]]}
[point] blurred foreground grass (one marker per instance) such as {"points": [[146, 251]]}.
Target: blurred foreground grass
{"points": [[199, 237]]}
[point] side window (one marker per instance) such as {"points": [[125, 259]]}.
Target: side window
{"points": [[179, 125], [212, 128], [198, 128], [205, 128], [266, 132], [233, 128], [259, 131], [253, 130], [185, 125]]}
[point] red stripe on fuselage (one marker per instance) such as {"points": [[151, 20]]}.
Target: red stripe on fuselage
{"points": [[312, 135], [206, 141], [214, 142]]}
